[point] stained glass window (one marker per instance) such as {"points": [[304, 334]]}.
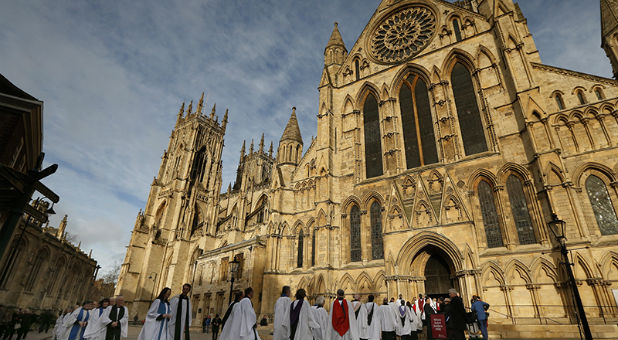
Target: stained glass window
{"points": [[357, 69], [602, 205], [373, 143], [419, 138], [472, 131], [519, 208], [313, 247], [301, 240], [377, 246], [559, 101], [580, 96], [457, 30], [490, 215], [355, 237]]}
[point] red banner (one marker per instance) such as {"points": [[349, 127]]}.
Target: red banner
{"points": [[438, 326]]}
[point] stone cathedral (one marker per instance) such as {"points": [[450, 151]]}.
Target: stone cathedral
{"points": [[444, 145]]}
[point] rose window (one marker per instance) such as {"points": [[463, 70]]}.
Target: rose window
{"points": [[402, 35]]}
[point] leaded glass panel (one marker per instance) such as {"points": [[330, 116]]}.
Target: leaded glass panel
{"points": [[373, 143], [472, 131], [490, 215], [519, 208], [408, 120], [301, 240], [425, 123], [457, 30], [355, 237], [602, 205], [377, 246], [313, 247]]}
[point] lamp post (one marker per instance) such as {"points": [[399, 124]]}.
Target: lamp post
{"points": [[233, 268], [557, 227], [154, 280]]}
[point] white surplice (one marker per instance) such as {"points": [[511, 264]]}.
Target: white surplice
{"points": [[65, 327], [320, 315], [71, 319], [415, 321], [361, 319], [154, 329], [387, 318], [306, 322], [374, 331], [95, 330], [282, 311], [404, 326], [240, 324], [124, 321], [186, 312], [352, 333]]}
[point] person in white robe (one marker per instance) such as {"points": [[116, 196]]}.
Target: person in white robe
{"points": [[373, 319], [77, 321], [282, 311], [95, 330], [157, 319], [404, 326], [116, 320], [300, 320], [60, 330], [241, 324], [180, 321], [388, 320], [341, 320], [415, 322], [419, 307], [225, 332], [360, 312], [320, 315]]}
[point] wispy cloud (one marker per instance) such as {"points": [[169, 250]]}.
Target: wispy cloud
{"points": [[113, 75]]}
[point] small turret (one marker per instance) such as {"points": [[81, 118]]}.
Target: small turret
{"points": [[262, 143], [190, 108], [224, 122], [270, 150], [242, 150], [212, 112], [200, 104], [182, 109], [291, 143], [62, 228], [251, 147], [335, 50]]}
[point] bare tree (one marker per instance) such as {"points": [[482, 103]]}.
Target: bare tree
{"points": [[111, 276]]}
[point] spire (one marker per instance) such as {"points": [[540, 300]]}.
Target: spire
{"points": [[61, 228], [262, 143], [242, 150], [190, 108], [335, 38], [292, 131], [251, 147], [224, 122], [212, 112], [270, 150], [200, 104], [182, 110], [229, 188]]}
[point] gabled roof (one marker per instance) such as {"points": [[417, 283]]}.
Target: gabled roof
{"points": [[9, 88]]}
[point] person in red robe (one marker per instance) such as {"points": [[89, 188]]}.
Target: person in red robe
{"points": [[342, 321]]}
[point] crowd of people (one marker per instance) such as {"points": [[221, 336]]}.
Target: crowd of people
{"points": [[19, 322]]}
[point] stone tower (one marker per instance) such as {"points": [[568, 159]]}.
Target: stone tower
{"points": [[180, 211], [609, 32]]}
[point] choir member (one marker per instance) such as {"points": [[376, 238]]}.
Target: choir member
{"points": [[342, 325], [241, 324], [389, 321], [95, 330], [157, 319], [320, 315], [116, 319], [78, 320], [360, 312], [282, 308], [300, 319], [373, 319], [180, 321]]}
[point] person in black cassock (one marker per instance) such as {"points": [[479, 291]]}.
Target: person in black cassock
{"points": [[216, 322], [180, 306], [456, 316]]}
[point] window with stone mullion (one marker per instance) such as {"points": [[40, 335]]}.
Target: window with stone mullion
{"points": [[490, 215], [299, 258], [472, 130], [519, 209], [377, 244], [602, 205], [373, 142], [355, 237]]}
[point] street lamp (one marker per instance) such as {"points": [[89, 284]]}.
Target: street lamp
{"points": [[233, 268], [557, 227]]}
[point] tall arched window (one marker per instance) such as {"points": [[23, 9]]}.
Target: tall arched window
{"points": [[598, 93], [559, 101], [313, 247], [418, 134], [357, 69], [373, 143], [301, 240], [456, 29], [580, 97], [377, 245], [490, 215], [602, 205], [36, 268], [472, 131], [355, 238], [519, 208], [199, 164]]}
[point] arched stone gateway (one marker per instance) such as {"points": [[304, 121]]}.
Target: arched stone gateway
{"points": [[429, 263]]}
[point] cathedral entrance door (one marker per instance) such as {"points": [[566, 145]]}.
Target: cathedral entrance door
{"points": [[437, 277]]}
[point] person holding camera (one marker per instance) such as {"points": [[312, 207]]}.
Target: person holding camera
{"points": [[479, 307]]}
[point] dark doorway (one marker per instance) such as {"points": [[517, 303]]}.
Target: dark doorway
{"points": [[437, 276]]}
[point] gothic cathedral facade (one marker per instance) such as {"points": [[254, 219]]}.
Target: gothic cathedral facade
{"points": [[444, 146]]}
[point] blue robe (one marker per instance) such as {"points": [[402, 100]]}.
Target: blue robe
{"points": [[77, 332]]}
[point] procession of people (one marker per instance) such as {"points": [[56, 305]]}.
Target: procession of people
{"points": [[170, 318]]}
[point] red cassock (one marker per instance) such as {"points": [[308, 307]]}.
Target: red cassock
{"points": [[341, 321]]}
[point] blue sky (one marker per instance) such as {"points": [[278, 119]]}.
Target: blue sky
{"points": [[112, 75]]}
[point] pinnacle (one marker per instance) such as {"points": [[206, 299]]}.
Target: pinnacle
{"points": [[292, 131], [609, 16], [335, 38]]}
